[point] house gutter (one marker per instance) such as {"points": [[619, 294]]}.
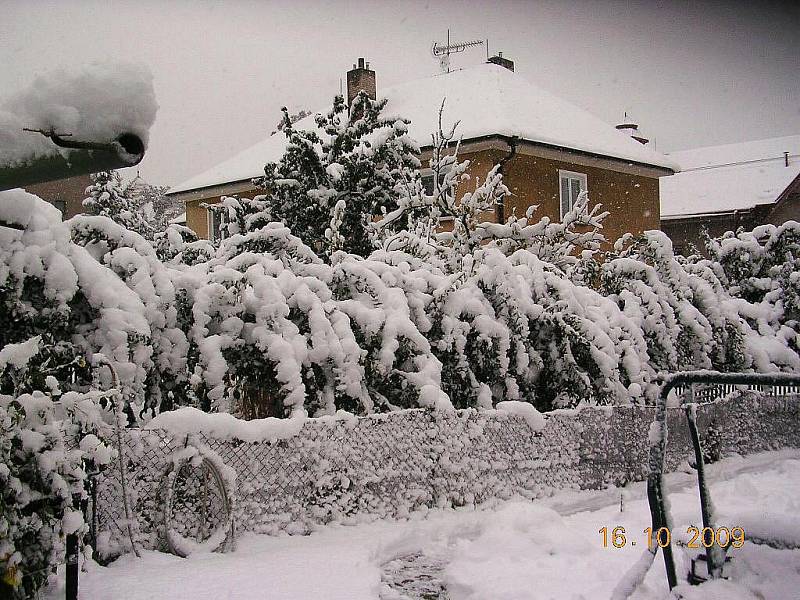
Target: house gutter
{"points": [[512, 151], [79, 158]]}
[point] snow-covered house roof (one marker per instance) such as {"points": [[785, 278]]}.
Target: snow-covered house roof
{"points": [[179, 220], [722, 179], [489, 100]]}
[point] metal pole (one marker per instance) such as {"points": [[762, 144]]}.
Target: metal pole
{"points": [[715, 561], [72, 567], [93, 525], [655, 487], [119, 409], [72, 558], [82, 158]]}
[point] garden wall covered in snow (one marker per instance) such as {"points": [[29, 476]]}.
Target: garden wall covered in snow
{"points": [[294, 477]]}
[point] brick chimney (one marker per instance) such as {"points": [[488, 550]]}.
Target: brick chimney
{"points": [[503, 62], [359, 78]]}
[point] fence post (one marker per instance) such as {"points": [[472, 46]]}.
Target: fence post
{"points": [[72, 559]]}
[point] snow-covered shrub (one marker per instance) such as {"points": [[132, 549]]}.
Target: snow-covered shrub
{"points": [[154, 201], [686, 316], [241, 215], [178, 245], [47, 446], [415, 225], [416, 220], [134, 261], [761, 266], [566, 244], [55, 289], [270, 319]]}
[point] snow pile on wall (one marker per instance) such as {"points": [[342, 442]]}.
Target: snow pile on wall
{"points": [[388, 466], [97, 103]]}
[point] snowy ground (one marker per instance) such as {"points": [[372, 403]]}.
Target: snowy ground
{"points": [[516, 550]]}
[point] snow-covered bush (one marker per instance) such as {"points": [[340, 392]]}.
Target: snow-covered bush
{"points": [[55, 289], [47, 445], [178, 245], [134, 261], [271, 319], [416, 222], [415, 225], [761, 266]]}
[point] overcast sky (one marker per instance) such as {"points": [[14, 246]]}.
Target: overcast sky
{"points": [[692, 73]]}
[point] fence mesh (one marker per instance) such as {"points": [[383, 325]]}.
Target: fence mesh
{"points": [[390, 465]]}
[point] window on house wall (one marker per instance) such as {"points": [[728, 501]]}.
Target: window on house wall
{"points": [[214, 226], [427, 183], [571, 184]]}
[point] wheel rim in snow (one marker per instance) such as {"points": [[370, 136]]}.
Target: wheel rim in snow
{"points": [[197, 512]]}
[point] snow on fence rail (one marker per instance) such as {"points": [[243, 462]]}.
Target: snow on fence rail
{"points": [[390, 465]]}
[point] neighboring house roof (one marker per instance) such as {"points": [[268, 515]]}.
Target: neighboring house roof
{"points": [[488, 100], [179, 220], [722, 179]]}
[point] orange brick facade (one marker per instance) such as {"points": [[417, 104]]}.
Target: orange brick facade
{"points": [[631, 199]]}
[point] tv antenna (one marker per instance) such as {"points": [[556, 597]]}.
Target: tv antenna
{"points": [[443, 52]]}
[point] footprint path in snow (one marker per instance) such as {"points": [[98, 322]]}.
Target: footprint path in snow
{"points": [[414, 576]]}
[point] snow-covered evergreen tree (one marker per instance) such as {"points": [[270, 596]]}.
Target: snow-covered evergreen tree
{"points": [[109, 197], [344, 173], [158, 208]]}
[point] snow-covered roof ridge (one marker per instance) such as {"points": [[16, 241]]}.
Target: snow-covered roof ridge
{"points": [[739, 152], [487, 100], [718, 179]]}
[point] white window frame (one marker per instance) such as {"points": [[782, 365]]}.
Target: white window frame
{"points": [[572, 175], [210, 218]]}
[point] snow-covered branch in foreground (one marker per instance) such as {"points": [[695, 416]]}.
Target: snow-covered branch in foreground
{"points": [[559, 242], [456, 228], [422, 213], [48, 443], [96, 103]]}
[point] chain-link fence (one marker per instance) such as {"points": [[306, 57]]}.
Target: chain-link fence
{"points": [[390, 465]]}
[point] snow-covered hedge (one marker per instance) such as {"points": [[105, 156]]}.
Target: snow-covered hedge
{"points": [[262, 326], [56, 289], [395, 331]]}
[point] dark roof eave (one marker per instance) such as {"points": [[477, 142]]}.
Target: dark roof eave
{"points": [[507, 139], [711, 215], [208, 187]]}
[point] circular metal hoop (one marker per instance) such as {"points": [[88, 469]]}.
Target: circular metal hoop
{"points": [[197, 492]]}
